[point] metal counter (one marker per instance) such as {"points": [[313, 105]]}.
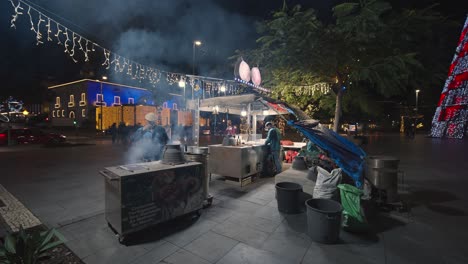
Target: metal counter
{"points": [[237, 162], [143, 194]]}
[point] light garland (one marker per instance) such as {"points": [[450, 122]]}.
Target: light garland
{"points": [[18, 12], [252, 85], [72, 41]]}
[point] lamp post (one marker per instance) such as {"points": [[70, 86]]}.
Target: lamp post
{"points": [[417, 95], [182, 85], [195, 43], [101, 103]]}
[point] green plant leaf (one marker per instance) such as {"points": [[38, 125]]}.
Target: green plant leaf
{"points": [[10, 243]]}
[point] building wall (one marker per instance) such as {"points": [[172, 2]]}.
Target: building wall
{"points": [[69, 105]]}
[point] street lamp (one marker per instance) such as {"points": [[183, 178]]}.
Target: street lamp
{"points": [[182, 85], [417, 94], [102, 99], [195, 43]]}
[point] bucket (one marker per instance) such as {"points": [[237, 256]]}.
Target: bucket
{"points": [[288, 195], [323, 220]]}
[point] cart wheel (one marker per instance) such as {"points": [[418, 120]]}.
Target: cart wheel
{"points": [[198, 213], [122, 240], [208, 202]]}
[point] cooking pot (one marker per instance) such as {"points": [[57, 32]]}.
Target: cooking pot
{"points": [[200, 150]]}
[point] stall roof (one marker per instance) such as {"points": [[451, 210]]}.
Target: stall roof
{"points": [[236, 103]]}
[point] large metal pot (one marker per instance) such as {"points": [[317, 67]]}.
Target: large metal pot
{"points": [[383, 178], [389, 162], [200, 150]]}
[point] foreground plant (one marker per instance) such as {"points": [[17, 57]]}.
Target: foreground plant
{"points": [[27, 247]]}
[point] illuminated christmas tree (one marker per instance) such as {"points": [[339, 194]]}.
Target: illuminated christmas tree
{"points": [[450, 118]]}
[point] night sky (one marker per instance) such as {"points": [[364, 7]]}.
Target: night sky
{"points": [[156, 33]]}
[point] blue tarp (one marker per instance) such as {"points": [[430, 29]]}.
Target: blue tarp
{"points": [[348, 156]]}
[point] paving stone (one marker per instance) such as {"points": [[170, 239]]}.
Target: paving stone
{"points": [[183, 257], [211, 246], [241, 206], [258, 223], [217, 214], [92, 242], [115, 255], [185, 236], [270, 213], [241, 233], [242, 253], [160, 250], [288, 245]]}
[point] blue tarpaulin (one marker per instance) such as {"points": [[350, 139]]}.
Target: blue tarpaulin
{"points": [[348, 156]]}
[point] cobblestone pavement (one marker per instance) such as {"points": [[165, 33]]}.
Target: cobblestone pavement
{"points": [[14, 214]]}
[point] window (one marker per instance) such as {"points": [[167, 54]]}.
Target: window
{"points": [[165, 105], [83, 112], [174, 106], [58, 113], [83, 99], [71, 115], [72, 101], [53, 113], [100, 100], [116, 100], [57, 102], [131, 100], [63, 113]]}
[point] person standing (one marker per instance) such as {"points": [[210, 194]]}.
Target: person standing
{"points": [[150, 139], [273, 141], [113, 131]]}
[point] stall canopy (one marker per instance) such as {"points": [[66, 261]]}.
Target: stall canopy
{"points": [[346, 154], [235, 104]]}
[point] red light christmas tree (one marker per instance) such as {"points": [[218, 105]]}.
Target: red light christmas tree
{"points": [[450, 118]]}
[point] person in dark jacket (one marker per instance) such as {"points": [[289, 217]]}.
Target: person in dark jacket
{"points": [[113, 131], [151, 138], [273, 141]]}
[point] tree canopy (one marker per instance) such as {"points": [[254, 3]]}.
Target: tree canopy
{"points": [[369, 51]]}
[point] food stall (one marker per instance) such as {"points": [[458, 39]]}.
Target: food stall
{"points": [[241, 159]]}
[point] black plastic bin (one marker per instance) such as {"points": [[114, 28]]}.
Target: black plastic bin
{"points": [[288, 195], [323, 220]]}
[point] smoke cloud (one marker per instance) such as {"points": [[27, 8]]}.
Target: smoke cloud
{"points": [[161, 33]]}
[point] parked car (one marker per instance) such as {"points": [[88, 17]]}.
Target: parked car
{"points": [[30, 136]]}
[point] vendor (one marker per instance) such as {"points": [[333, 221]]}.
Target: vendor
{"points": [[273, 141], [230, 129], [150, 139]]}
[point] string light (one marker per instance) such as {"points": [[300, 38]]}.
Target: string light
{"points": [[48, 30], [18, 12], [72, 40], [57, 35], [107, 58], [72, 52]]}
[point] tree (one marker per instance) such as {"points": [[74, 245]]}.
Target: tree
{"points": [[369, 50]]}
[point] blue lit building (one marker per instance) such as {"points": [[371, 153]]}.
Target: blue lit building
{"points": [[77, 101]]}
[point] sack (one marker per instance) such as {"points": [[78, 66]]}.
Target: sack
{"points": [[353, 217], [326, 185]]}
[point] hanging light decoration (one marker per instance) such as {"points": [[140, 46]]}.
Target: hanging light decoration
{"points": [[256, 77], [243, 112], [244, 71]]}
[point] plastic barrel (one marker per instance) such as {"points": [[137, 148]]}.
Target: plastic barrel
{"points": [[288, 195], [323, 220]]}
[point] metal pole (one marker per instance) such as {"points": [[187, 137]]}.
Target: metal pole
{"points": [[193, 58], [417, 94], [102, 99]]}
